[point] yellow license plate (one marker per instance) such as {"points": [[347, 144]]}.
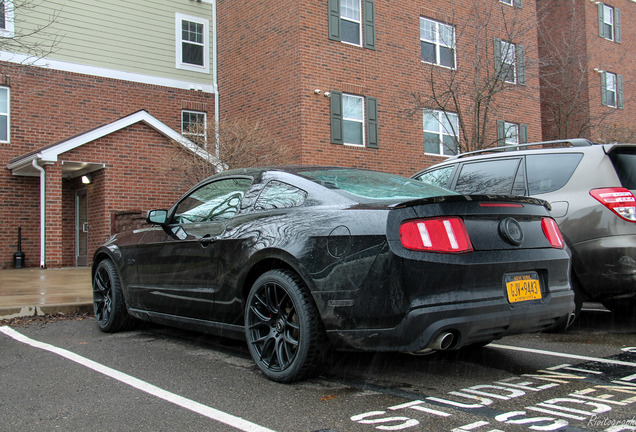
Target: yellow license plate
{"points": [[523, 287]]}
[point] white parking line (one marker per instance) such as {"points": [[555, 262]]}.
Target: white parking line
{"points": [[181, 401], [564, 355]]}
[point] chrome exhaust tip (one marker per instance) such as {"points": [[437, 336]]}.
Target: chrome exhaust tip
{"points": [[443, 341]]}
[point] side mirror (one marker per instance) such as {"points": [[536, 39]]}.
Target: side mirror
{"points": [[157, 217]]}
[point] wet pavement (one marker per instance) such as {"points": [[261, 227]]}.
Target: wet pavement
{"points": [[34, 291]]}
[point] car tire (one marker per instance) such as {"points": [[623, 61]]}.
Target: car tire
{"points": [[108, 300], [283, 329]]}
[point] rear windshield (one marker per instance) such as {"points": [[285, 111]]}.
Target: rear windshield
{"points": [[624, 160], [550, 172], [374, 185]]}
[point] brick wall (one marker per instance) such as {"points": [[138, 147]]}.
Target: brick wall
{"points": [[49, 106]]}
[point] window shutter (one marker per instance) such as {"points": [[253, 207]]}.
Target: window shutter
{"points": [[497, 54], [603, 88], [523, 134], [617, 25], [517, 4], [334, 20], [501, 132], [369, 24], [619, 91], [521, 66], [372, 122], [601, 27], [335, 103]]}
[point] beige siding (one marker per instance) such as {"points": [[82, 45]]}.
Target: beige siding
{"points": [[131, 36]]}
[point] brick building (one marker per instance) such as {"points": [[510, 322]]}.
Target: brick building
{"points": [[364, 83], [588, 64]]}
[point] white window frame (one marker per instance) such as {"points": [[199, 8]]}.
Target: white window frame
{"points": [[438, 42], [7, 114], [354, 119], [508, 2], [508, 50], [179, 18], [610, 87], [608, 18], [200, 137], [441, 132], [354, 20], [511, 133], [9, 20]]}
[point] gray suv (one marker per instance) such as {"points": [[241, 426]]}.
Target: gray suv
{"points": [[591, 190]]}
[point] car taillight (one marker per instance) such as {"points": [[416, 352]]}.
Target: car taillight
{"points": [[619, 200], [552, 233], [443, 234]]}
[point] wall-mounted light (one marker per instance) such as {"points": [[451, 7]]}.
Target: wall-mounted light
{"points": [[317, 91], [597, 70], [87, 179], [327, 94]]}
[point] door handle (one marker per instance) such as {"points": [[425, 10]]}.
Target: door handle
{"points": [[206, 240]]}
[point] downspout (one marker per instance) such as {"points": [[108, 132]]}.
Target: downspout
{"points": [[215, 83], [34, 162]]}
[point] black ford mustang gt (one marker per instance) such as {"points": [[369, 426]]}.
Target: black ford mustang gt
{"points": [[298, 259]]}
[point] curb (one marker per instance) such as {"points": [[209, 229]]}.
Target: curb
{"points": [[51, 309]]}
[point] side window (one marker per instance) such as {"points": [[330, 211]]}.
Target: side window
{"points": [[550, 172], [354, 120], [214, 201], [4, 114], [510, 62], [609, 22], [192, 37], [624, 160], [488, 177], [441, 132], [438, 177], [278, 195], [437, 43], [353, 22], [7, 12], [194, 126], [612, 89]]}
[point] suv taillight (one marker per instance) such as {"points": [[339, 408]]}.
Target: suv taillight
{"points": [[443, 235], [619, 200], [552, 233]]}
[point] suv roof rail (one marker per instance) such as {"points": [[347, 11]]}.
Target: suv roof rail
{"points": [[574, 142]]}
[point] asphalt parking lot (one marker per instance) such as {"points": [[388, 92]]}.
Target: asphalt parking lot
{"points": [[67, 375]]}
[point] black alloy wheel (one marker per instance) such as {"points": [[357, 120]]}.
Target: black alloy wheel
{"points": [[108, 300], [283, 328]]}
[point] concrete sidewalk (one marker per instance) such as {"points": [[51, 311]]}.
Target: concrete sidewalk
{"points": [[33, 291]]}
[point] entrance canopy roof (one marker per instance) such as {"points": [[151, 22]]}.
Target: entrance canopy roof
{"points": [[24, 165]]}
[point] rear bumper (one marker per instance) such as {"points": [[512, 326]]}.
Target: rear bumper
{"points": [[471, 322], [606, 267]]}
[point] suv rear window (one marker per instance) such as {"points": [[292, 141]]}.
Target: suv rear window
{"points": [[488, 177], [550, 172], [624, 160]]}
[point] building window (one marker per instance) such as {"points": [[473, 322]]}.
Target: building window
{"points": [[352, 22], [515, 3], [609, 22], [4, 114], [437, 42], [192, 39], [511, 133], [612, 90], [194, 126], [510, 62], [6, 18], [354, 120], [441, 132]]}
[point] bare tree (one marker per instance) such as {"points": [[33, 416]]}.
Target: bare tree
{"points": [[234, 144], [493, 42], [565, 70], [20, 36]]}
